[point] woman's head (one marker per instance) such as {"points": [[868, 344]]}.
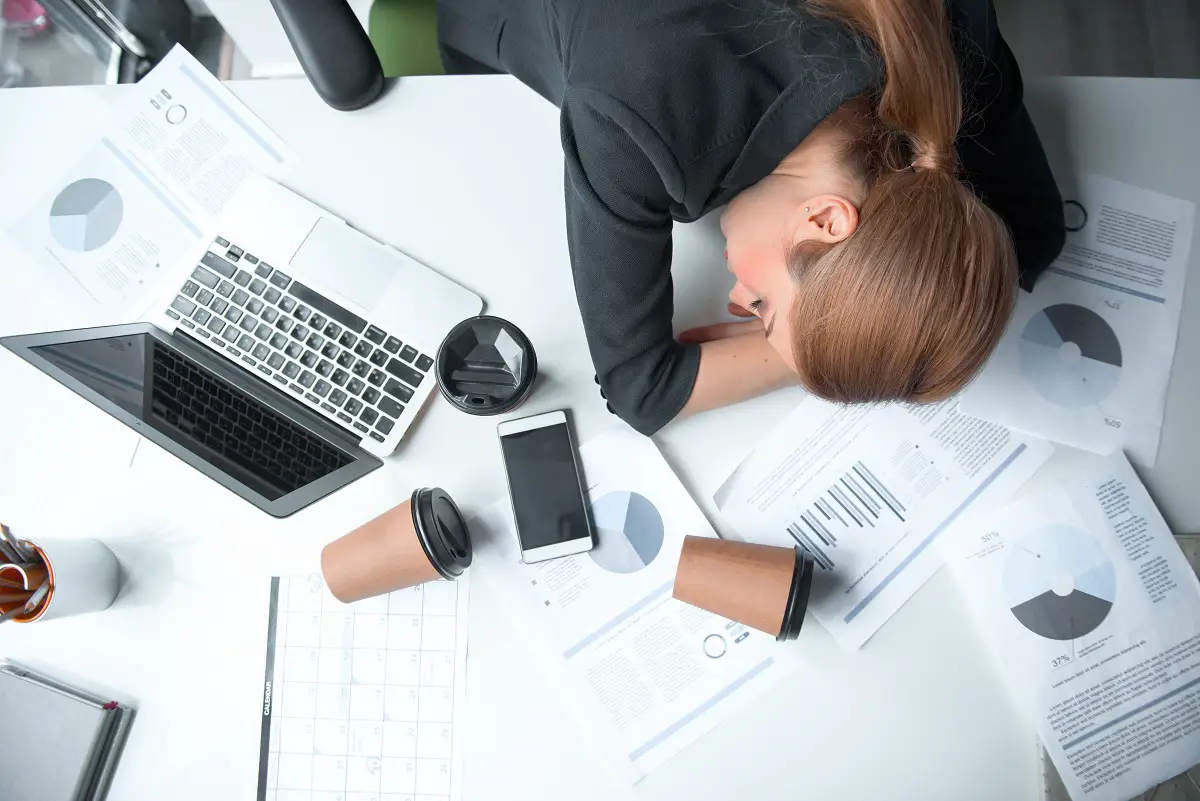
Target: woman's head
{"points": [[879, 274]]}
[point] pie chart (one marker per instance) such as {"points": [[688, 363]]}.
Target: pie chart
{"points": [[86, 214], [1070, 355], [629, 532], [1059, 583]]}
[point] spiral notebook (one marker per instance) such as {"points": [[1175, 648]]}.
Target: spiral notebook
{"points": [[61, 743]]}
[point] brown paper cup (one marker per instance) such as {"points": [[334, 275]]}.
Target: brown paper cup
{"points": [[760, 586], [420, 540]]}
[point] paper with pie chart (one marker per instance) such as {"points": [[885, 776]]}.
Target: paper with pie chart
{"points": [[119, 222], [1087, 356], [1092, 614], [645, 674]]}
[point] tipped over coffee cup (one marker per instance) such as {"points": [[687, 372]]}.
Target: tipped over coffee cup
{"points": [[423, 539], [760, 586]]}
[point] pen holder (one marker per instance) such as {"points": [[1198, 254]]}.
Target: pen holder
{"points": [[81, 576]]}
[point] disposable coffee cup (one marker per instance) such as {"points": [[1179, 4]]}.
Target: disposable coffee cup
{"points": [[485, 366], [760, 586], [423, 539]]}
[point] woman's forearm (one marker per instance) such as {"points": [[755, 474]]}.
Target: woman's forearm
{"points": [[736, 369]]}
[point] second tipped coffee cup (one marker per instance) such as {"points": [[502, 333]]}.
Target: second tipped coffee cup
{"points": [[760, 586], [423, 539]]}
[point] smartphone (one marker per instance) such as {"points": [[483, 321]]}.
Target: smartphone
{"points": [[545, 487]]}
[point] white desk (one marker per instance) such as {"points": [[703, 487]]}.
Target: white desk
{"points": [[466, 175]]}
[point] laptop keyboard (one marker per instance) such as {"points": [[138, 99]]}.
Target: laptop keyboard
{"points": [[237, 426], [329, 357]]}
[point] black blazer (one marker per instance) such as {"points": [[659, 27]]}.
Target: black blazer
{"points": [[672, 107]]}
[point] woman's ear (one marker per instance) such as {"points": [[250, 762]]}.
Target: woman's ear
{"points": [[827, 218]]}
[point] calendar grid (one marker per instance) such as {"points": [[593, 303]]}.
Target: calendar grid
{"points": [[361, 700]]}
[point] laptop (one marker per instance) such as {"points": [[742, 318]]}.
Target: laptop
{"points": [[294, 354]]}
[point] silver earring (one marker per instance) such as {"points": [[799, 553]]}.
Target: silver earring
{"points": [[806, 208]]}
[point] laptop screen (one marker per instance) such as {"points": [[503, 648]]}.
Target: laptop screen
{"points": [[196, 408]]}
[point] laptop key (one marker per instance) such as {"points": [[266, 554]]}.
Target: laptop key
{"points": [[287, 304], [293, 350], [279, 378], [224, 289], [346, 359], [218, 306], [291, 370], [337, 397], [369, 415], [242, 278], [205, 277], [375, 335], [270, 314], [240, 297], [309, 359], [347, 340], [233, 314], [230, 333], [340, 377], [333, 330], [325, 368], [249, 323], [363, 348], [408, 354], [263, 269], [322, 388], [390, 407], [404, 372], [249, 361], [251, 259], [311, 398], [316, 341], [376, 378], [190, 288], [203, 333], [424, 363], [371, 395], [392, 345], [299, 333], [355, 386], [360, 368], [379, 358], [279, 341], [218, 265], [272, 295], [188, 323], [361, 427], [263, 369], [276, 361], [327, 407], [173, 315], [203, 297], [353, 406], [215, 325], [223, 242], [280, 280], [254, 306], [330, 351], [401, 391], [235, 252], [285, 324], [376, 437], [261, 351], [246, 342], [263, 331], [307, 379], [183, 306], [201, 316], [344, 417], [302, 314], [318, 322], [384, 424]]}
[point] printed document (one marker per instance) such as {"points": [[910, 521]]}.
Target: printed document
{"points": [[162, 171], [866, 490], [646, 674], [1093, 614], [1088, 354]]}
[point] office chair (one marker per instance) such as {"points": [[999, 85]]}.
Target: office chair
{"points": [[344, 63]]}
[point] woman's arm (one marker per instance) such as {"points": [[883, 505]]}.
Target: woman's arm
{"points": [[736, 364]]}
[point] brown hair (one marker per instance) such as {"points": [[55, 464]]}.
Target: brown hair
{"points": [[909, 306]]}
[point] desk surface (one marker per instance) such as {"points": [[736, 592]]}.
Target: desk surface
{"points": [[466, 176]]}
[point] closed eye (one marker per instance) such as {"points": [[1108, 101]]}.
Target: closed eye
{"points": [[754, 304]]}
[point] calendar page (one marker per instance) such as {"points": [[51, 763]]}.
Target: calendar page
{"points": [[362, 702]]}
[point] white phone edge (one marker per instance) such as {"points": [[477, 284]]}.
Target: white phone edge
{"points": [[558, 549]]}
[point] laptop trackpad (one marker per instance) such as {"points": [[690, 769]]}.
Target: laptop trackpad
{"points": [[351, 263]]}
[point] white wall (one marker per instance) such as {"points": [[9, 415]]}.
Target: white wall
{"points": [[256, 31]]}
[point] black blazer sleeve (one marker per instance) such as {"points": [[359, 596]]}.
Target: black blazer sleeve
{"points": [[619, 236], [1001, 154]]}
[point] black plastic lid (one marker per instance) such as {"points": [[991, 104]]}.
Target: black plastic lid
{"points": [[797, 602], [485, 366], [442, 531]]}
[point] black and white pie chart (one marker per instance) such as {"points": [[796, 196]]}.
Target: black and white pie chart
{"points": [[1070, 355], [86, 214], [1059, 583]]}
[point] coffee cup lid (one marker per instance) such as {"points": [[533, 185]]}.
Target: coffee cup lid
{"points": [[486, 366], [442, 532], [797, 602]]}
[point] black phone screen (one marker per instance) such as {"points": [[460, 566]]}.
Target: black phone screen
{"points": [[544, 482]]}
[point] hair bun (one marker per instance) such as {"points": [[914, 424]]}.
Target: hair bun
{"points": [[936, 159]]}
